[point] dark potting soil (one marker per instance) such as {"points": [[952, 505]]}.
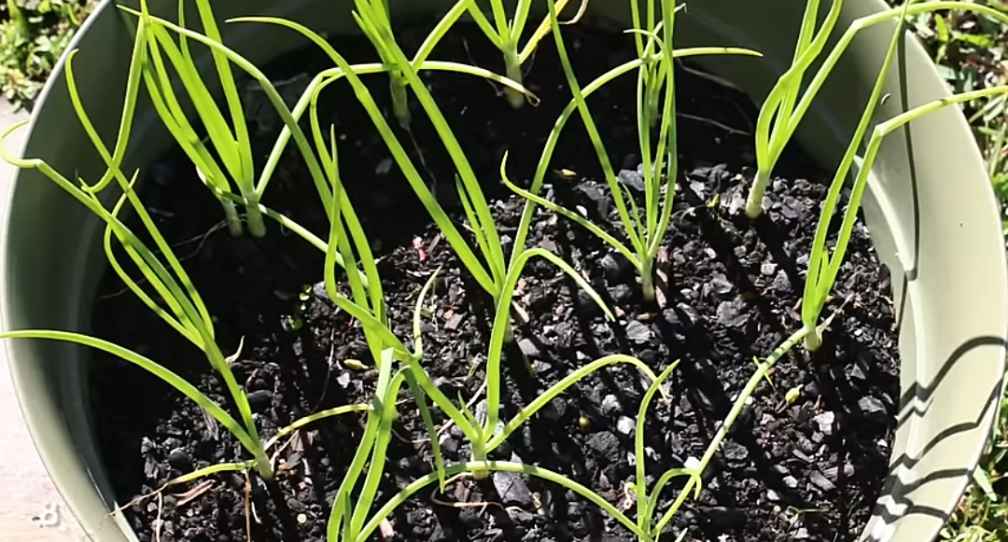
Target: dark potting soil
{"points": [[809, 469]]}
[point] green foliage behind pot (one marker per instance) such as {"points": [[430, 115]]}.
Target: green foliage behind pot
{"points": [[33, 35]]}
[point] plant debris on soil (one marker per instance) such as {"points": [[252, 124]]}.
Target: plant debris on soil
{"points": [[810, 468]]}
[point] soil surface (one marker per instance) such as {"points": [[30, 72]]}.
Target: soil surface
{"points": [[808, 469]]}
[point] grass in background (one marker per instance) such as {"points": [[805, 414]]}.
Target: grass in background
{"points": [[972, 53], [33, 35]]}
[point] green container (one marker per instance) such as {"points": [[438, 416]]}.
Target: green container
{"points": [[930, 208]]}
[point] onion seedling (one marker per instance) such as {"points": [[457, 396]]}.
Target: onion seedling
{"points": [[695, 470], [397, 84], [505, 34], [230, 163], [651, 80], [542, 167], [381, 20], [180, 306], [660, 163], [824, 265], [291, 130], [786, 104], [348, 243]]}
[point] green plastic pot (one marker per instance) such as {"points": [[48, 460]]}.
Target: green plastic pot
{"points": [[931, 211]]}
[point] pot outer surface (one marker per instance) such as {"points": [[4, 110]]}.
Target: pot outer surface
{"points": [[728, 294]]}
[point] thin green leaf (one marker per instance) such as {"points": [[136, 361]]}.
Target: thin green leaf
{"points": [[544, 398], [644, 504], [312, 418], [152, 367], [501, 321]]}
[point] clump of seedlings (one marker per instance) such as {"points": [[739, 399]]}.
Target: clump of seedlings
{"points": [[230, 162], [506, 33], [174, 299], [488, 266], [351, 279]]}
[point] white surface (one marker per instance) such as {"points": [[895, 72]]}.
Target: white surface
{"points": [[30, 507]]}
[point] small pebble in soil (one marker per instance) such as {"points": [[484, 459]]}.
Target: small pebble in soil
{"points": [[671, 318], [638, 332], [825, 422], [605, 445], [720, 284], [734, 451], [873, 408], [832, 472], [802, 455], [781, 283], [632, 179], [596, 196], [529, 348], [512, 489], [616, 269], [732, 314], [554, 411], [179, 459], [692, 316], [343, 379], [449, 444], [856, 374], [611, 405], [820, 481], [625, 425], [621, 293], [260, 399], [453, 323]]}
